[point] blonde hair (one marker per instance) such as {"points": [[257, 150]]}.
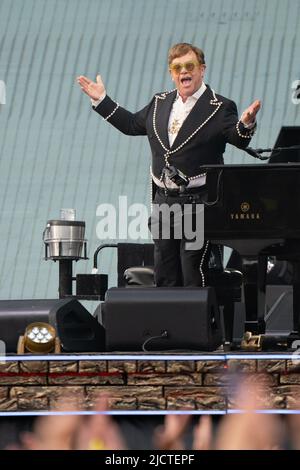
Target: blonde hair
{"points": [[182, 48]]}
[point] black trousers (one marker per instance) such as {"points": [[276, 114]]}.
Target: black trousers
{"points": [[175, 264]]}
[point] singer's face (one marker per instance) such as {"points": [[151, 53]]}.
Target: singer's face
{"points": [[187, 74]]}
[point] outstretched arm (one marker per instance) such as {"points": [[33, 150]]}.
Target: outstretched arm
{"points": [[239, 132], [125, 121]]}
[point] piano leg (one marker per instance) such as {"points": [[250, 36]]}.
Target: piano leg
{"points": [[254, 279], [261, 291], [296, 297]]}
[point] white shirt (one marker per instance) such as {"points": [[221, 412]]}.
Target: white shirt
{"points": [[180, 111]]}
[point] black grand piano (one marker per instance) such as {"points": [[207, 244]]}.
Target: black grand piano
{"points": [[255, 209]]}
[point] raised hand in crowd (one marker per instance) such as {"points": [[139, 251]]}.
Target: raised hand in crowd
{"points": [[54, 432], [203, 434], [249, 430], [170, 435], [75, 432], [100, 431]]}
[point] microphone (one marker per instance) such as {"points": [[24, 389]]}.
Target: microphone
{"points": [[264, 150], [254, 153]]}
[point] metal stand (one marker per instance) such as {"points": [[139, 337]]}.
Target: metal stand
{"points": [[65, 278], [65, 288]]}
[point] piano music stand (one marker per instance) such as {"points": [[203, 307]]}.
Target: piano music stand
{"points": [[287, 137]]}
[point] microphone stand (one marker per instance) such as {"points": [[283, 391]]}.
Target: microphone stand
{"points": [[256, 153]]}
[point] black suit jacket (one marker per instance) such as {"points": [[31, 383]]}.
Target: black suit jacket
{"points": [[212, 123]]}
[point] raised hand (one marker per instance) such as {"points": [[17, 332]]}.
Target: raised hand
{"points": [[94, 90], [100, 431], [203, 434], [54, 432], [248, 116], [169, 436], [73, 431], [250, 430]]}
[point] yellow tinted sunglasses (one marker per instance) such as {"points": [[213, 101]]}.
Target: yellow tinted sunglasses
{"points": [[188, 66]]}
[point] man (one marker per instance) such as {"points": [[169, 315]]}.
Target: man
{"points": [[186, 128]]}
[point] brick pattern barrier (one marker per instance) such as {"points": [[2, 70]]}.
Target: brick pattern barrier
{"points": [[145, 384]]}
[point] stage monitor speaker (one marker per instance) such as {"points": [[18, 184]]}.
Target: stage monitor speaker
{"points": [[76, 328], [161, 318]]}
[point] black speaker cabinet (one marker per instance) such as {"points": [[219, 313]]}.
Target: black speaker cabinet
{"points": [[77, 329], [162, 318]]}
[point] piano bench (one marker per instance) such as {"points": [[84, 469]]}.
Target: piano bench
{"points": [[139, 276], [227, 284]]}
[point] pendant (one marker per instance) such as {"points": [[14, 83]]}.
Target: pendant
{"points": [[174, 127]]}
